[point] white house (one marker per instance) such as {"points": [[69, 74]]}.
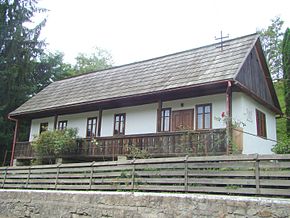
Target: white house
{"points": [[150, 102]]}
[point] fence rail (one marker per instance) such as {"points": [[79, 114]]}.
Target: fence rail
{"points": [[243, 174]]}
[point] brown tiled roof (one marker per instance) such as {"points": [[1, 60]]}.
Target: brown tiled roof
{"points": [[192, 67]]}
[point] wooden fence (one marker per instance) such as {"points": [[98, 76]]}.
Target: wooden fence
{"points": [[244, 174]]}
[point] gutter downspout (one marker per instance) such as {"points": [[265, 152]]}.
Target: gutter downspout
{"points": [[14, 138], [229, 116]]}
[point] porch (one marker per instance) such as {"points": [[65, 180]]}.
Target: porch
{"points": [[165, 144]]}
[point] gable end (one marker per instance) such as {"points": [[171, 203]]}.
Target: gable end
{"points": [[257, 79]]}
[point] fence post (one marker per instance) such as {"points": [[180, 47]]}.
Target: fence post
{"points": [[92, 173], [57, 175], [186, 173], [257, 174], [28, 177], [5, 174], [133, 174]]}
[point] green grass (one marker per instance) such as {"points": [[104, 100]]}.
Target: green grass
{"points": [[281, 122]]}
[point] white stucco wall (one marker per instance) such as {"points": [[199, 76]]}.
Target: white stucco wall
{"points": [[244, 109], [218, 106], [139, 119], [78, 121], [35, 126]]}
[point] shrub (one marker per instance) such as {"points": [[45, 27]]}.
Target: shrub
{"points": [[283, 146], [55, 143], [135, 152]]}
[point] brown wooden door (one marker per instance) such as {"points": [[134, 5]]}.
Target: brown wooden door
{"points": [[182, 120]]}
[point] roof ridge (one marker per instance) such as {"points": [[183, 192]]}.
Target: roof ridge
{"points": [[156, 58]]}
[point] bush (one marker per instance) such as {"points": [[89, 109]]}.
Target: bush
{"points": [[55, 143], [283, 146]]}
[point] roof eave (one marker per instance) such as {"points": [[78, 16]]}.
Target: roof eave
{"points": [[257, 98]]}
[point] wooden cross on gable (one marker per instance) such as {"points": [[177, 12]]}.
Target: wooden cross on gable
{"points": [[221, 38]]}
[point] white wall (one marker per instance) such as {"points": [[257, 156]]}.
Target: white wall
{"points": [[139, 119], [35, 126], [218, 106], [79, 121], [244, 109]]}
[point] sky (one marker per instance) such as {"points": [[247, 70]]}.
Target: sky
{"points": [[135, 30]]}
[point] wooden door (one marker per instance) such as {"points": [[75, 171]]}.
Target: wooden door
{"points": [[182, 120]]}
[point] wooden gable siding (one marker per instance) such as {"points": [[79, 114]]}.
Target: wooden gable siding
{"points": [[252, 76]]}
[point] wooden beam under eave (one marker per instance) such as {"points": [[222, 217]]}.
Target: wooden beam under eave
{"points": [[100, 122], [159, 109]]}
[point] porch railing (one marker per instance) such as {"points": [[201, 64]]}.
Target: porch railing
{"points": [[193, 143]]}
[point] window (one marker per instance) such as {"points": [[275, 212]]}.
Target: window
{"points": [[261, 124], [43, 127], [165, 119], [62, 125], [92, 127], [203, 116], [119, 124]]}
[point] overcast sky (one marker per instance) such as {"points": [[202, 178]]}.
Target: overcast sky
{"points": [[134, 30]]}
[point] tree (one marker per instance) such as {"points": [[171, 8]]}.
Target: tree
{"points": [[20, 51], [98, 60], [50, 67], [25, 68], [271, 39], [286, 70], [283, 91]]}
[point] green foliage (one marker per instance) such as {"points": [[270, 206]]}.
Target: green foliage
{"points": [[233, 187], [98, 60], [135, 152], [271, 39], [20, 49], [25, 67], [55, 143], [286, 69], [49, 68], [283, 92], [282, 146]]}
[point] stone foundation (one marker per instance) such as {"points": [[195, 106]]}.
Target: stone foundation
{"points": [[65, 204]]}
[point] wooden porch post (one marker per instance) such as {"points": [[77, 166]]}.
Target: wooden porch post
{"points": [[14, 138], [229, 117], [100, 122], [55, 122], [159, 116]]}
